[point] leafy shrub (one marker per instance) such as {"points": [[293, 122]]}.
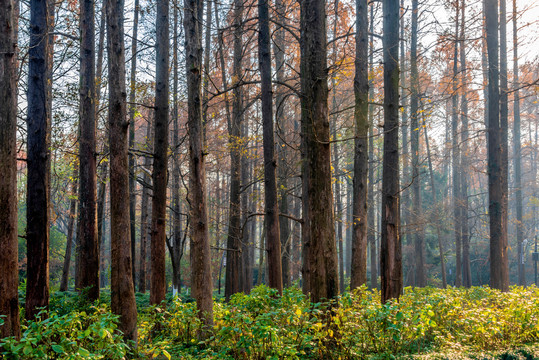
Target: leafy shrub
{"points": [[74, 335]]}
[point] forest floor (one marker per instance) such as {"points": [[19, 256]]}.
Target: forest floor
{"points": [[426, 323]]}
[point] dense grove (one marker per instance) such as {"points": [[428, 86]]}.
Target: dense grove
{"points": [[427, 322]]}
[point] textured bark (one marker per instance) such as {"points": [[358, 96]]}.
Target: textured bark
{"points": [[246, 278], [132, 160], [371, 234], [273, 241], [201, 278], [361, 159], [464, 162], [70, 227], [499, 266], [9, 281], [456, 158], [233, 254], [38, 161], [145, 225], [322, 251], [282, 149], [87, 222], [160, 158], [390, 251], [122, 289], [417, 211], [517, 153]]}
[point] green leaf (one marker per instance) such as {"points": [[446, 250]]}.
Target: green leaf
{"points": [[58, 349], [27, 349], [83, 352]]}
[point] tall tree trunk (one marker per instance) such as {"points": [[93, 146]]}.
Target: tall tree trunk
{"points": [[38, 161], [9, 281], [361, 159], [323, 267], [145, 225], [176, 248], [206, 82], [417, 212], [132, 159], [87, 222], [336, 167], [273, 242], [517, 153], [499, 266], [282, 148], [70, 227], [390, 252], [122, 289], [246, 277], [371, 226], [233, 254], [160, 159], [456, 158], [464, 164], [201, 278]]}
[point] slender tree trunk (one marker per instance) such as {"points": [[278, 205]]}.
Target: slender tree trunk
{"points": [[417, 212], [160, 159], [499, 266], [436, 216], [233, 255], [38, 161], [361, 160], [207, 49], [70, 227], [336, 167], [322, 250], [122, 289], [273, 242], [87, 222], [517, 153], [456, 158], [464, 163], [145, 226], [132, 159], [201, 279], [246, 277], [371, 234], [390, 252], [9, 281]]}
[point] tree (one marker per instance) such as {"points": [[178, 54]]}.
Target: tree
{"points": [[38, 161], [390, 252], [322, 252], [233, 254], [160, 158], [273, 241], [9, 306], [122, 289], [499, 268], [361, 160], [87, 222], [201, 279], [419, 239]]}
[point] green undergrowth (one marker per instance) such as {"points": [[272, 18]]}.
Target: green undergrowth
{"points": [[427, 323]]}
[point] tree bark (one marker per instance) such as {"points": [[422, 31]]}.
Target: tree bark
{"points": [[361, 160], [160, 159], [38, 161], [201, 278], [9, 281], [499, 266], [87, 222], [517, 153], [70, 227], [322, 250], [371, 234], [390, 252], [145, 224], [233, 254], [132, 159], [273, 241], [122, 289]]}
